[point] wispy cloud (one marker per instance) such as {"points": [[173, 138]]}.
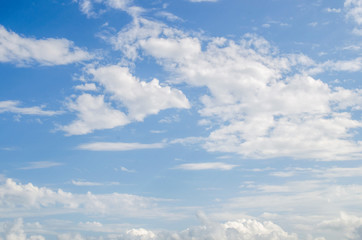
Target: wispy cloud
{"points": [[13, 107], [82, 183], [42, 164], [124, 169], [206, 166], [119, 146]]}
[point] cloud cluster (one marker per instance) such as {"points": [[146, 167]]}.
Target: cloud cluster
{"points": [[139, 98], [246, 229], [263, 104], [26, 51]]}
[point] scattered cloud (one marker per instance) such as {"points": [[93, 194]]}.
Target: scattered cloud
{"points": [[119, 146], [40, 165], [13, 107], [206, 166], [333, 10], [24, 51]]}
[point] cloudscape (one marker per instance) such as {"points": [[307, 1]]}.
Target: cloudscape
{"points": [[180, 120]]}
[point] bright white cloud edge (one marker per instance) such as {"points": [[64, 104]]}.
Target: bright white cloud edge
{"points": [[24, 51]]}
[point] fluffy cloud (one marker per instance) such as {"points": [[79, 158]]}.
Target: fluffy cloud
{"points": [[24, 51], [93, 113], [139, 97], [16, 231], [13, 107], [262, 104], [246, 229], [354, 10], [18, 200]]}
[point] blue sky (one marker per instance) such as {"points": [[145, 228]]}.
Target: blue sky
{"points": [[188, 119]]}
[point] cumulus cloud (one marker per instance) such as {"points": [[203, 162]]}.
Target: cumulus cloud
{"points": [[93, 113], [13, 107], [15, 231], [206, 166], [262, 104], [246, 229], [139, 97], [50, 51]]}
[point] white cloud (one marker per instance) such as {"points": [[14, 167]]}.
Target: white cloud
{"points": [[18, 200], [94, 8], [85, 183], [206, 166], [333, 10], [16, 231], [13, 107], [139, 97], [354, 10], [124, 169], [246, 229], [168, 16], [51, 51], [93, 113], [264, 105], [118, 146], [86, 87], [42, 164], [348, 224]]}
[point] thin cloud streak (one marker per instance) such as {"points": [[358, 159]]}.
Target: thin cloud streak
{"points": [[206, 166], [119, 146]]}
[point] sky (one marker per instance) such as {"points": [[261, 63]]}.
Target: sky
{"points": [[180, 120]]}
